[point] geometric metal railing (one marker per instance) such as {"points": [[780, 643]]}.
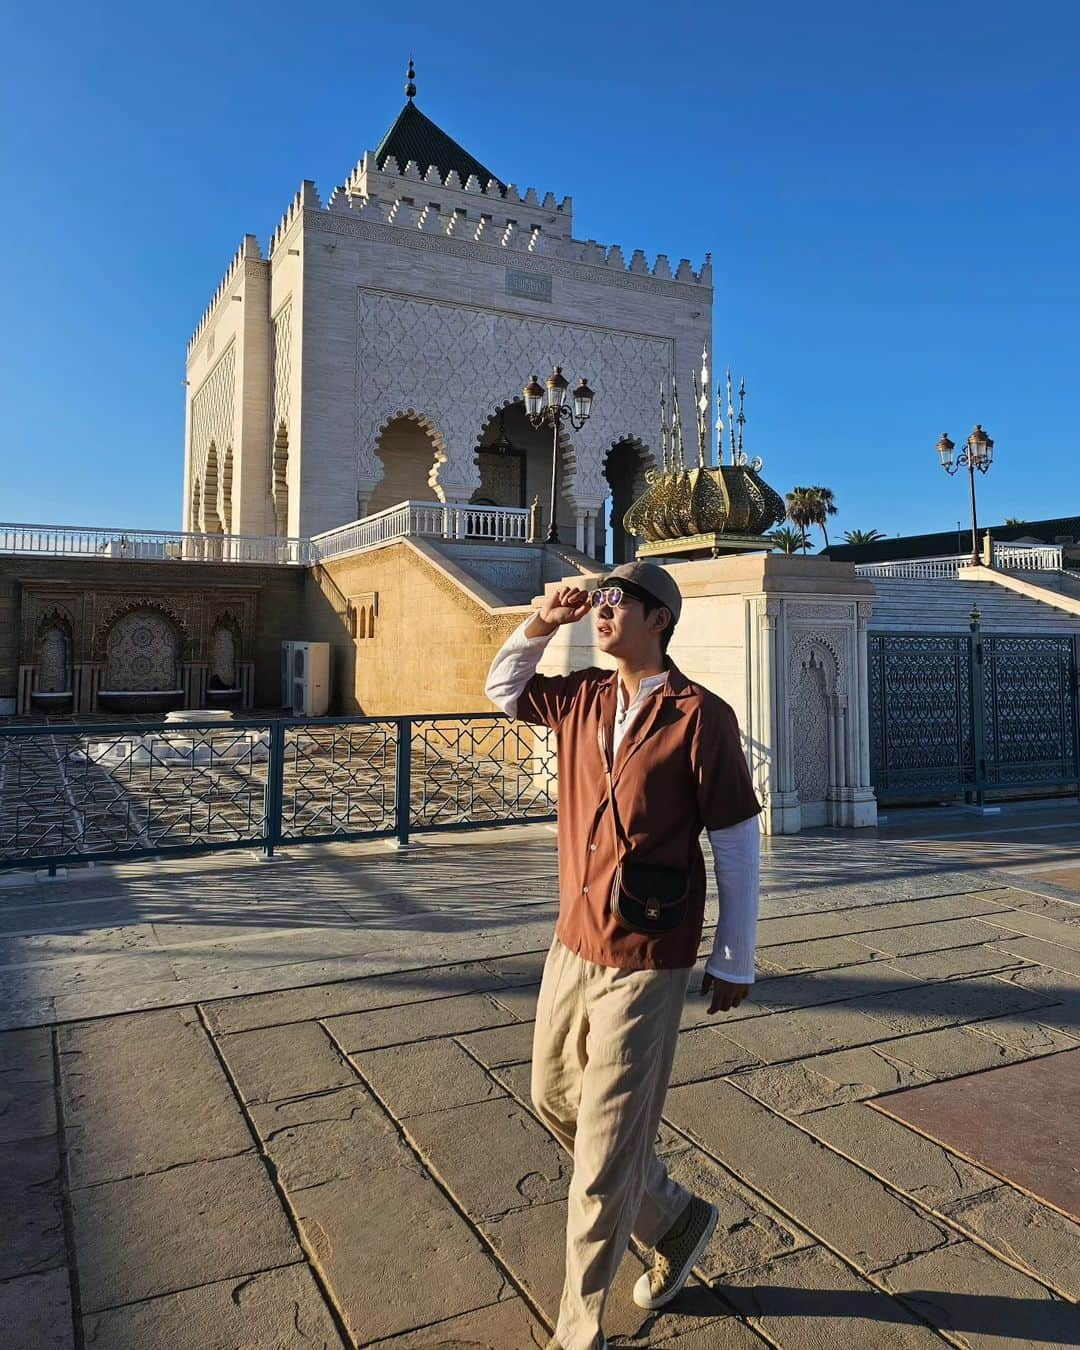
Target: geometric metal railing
{"points": [[81, 793], [955, 714]]}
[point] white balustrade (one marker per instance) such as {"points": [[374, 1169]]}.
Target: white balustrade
{"points": [[438, 520], [1007, 558], [1013, 558], [434, 520], [67, 541]]}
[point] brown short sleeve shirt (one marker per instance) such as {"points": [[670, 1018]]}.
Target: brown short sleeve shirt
{"points": [[680, 769]]}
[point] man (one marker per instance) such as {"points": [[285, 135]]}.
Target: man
{"points": [[611, 997]]}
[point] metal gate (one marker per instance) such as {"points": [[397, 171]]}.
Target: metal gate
{"points": [[954, 714]]}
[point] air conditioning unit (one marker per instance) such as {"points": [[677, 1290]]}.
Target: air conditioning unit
{"points": [[305, 678]]}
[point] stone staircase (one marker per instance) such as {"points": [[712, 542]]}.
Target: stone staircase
{"points": [[943, 605]]}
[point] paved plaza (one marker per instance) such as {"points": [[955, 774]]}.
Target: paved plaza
{"points": [[284, 1104]]}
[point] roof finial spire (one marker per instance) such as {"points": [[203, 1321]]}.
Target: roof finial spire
{"points": [[731, 420], [741, 418], [663, 427], [410, 81]]}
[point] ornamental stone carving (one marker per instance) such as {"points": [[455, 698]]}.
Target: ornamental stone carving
{"points": [[471, 363], [141, 652], [828, 646]]}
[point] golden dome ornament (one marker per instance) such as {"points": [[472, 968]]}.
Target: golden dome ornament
{"points": [[709, 510]]}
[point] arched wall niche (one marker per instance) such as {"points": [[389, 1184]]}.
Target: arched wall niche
{"points": [[407, 451], [142, 651], [625, 467]]}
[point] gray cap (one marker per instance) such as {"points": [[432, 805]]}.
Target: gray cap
{"points": [[660, 584]]}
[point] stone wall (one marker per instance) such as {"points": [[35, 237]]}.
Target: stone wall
{"points": [[88, 593], [435, 631]]}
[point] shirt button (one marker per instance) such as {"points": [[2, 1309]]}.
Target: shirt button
{"points": [[584, 890], [592, 848]]}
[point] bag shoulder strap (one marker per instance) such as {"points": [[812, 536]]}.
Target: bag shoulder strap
{"points": [[621, 846]]}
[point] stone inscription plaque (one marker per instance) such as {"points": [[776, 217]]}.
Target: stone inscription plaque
{"points": [[529, 285]]}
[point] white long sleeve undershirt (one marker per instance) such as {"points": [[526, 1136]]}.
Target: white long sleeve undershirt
{"points": [[735, 849]]}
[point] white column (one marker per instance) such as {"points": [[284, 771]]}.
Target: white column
{"points": [[590, 533], [579, 516]]}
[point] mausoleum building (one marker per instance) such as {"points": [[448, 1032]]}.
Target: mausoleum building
{"points": [[376, 350]]}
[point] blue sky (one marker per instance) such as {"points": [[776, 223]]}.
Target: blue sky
{"points": [[891, 195]]}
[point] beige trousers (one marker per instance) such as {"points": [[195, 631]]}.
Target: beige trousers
{"points": [[602, 1054]]}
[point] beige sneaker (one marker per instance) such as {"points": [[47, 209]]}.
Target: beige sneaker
{"points": [[676, 1253]]}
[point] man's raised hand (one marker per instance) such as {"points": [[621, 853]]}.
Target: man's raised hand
{"points": [[567, 605]]}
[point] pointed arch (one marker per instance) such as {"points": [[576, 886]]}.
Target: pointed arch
{"points": [[279, 478], [535, 450], [225, 505], [627, 462], [211, 521], [409, 451]]}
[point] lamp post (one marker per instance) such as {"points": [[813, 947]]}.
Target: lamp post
{"points": [[550, 412], [978, 453]]}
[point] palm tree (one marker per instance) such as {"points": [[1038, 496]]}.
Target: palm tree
{"points": [[862, 536], [824, 505], [787, 540], [1014, 520], [800, 511]]}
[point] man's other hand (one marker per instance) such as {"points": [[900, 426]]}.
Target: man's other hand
{"points": [[566, 605], [725, 995]]}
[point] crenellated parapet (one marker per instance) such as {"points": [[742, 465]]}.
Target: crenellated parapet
{"points": [[487, 215], [248, 250]]}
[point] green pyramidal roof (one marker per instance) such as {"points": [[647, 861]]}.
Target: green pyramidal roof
{"points": [[416, 137]]}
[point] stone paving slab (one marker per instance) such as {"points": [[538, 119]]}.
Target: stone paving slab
{"points": [[508, 1325], [419, 1263], [501, 1046], [493, 1157], [128, 1089], [273, 1310], [835, 1200], [32, 1231], [960, 961], [802, 1032], [35, 1311], [704, 1053], [416, 1022], [412, 1079], [1052, 955], [827, 1080], [191, 1225], [812, 1301], [965, 1290], [917, 938], [27, 1110], [347, 996], [1026, 1233], [328, 1137], [916, 1165], [276, 1063]]}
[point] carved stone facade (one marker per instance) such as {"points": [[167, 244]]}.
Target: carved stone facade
{"points": [[80, 639], [433, 299]]}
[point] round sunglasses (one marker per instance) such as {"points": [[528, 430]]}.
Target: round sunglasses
{"points": [[607, 595]]}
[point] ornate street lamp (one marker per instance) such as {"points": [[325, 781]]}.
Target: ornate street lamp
{"points": [[551, 413], [978, 453]]}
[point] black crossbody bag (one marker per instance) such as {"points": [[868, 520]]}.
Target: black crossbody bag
{"points": [[645, 897]]}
